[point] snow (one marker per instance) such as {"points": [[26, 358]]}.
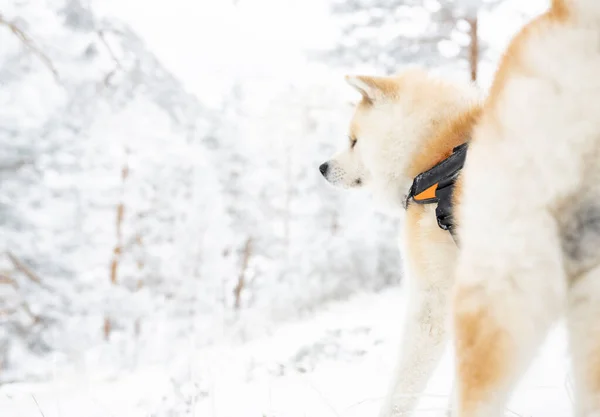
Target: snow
{"points": [[333, 362]]}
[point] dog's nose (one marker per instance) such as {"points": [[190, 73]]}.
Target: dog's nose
{"points": [[324, 168]]}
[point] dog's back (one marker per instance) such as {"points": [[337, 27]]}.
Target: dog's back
{"points": [[530, 213]]}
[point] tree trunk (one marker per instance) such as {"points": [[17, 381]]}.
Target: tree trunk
{"points": [[118, 248], [473, 47]]}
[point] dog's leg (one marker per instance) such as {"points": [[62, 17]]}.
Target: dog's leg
{"points": [[422, 345], [583, 320], [510, 287]]}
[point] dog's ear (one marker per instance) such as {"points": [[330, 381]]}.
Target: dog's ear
{"points": [[372, 88]]}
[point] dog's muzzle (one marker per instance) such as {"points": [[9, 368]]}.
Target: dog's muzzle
{"points": [[324, 168]]}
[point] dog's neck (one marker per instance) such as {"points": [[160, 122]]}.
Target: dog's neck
{"points": [[454, 132], [452, 127]]}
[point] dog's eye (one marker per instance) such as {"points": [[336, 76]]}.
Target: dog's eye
{"points": [[353, 141]]}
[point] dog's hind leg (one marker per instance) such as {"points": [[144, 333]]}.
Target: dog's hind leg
{"points": [[583, 321], [510, 287]]}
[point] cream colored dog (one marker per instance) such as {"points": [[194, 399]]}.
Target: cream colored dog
{"points": [[403, 126], [527, 204]]}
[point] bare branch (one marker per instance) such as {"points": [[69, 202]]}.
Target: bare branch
{"points": [[29, 44], [5, 279], [19, 265], [24, 306], [107, 327], [38, 406], [118, 66], [118, 248], [241, 284], [30, 313], [112, 54]]}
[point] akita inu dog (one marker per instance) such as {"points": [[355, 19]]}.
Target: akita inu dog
{"points": [[526, 209], [403, 126]]}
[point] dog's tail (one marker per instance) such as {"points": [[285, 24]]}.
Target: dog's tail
{"points": [[581, 9]]}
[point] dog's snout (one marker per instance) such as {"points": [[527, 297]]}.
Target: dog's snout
{"points": [[324, 168]]}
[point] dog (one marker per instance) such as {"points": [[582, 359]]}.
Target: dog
{"points": [[526, 208], [403, 125]]}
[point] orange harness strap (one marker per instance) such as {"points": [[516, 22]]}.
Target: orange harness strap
{"points": [[428, 194]]}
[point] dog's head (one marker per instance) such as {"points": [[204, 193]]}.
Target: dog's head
{"points": [[390, 125]]}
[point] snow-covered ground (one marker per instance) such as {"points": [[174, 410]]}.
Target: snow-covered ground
{"points": [[334, 362]]}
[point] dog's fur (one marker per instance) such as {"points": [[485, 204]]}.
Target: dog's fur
{"points": [[527, 201]]}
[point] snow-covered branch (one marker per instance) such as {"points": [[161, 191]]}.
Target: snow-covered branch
{"points": [[29, 44]]}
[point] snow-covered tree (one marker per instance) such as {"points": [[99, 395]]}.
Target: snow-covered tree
{"points": [[388, 34], [101, 153]]}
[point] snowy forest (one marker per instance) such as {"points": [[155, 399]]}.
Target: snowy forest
{"points": [[166, 240]]}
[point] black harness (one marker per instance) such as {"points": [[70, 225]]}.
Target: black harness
{"points": [[436, 185]]}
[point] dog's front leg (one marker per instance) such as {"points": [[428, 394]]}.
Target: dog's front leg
{"points": [[422, 345]]}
